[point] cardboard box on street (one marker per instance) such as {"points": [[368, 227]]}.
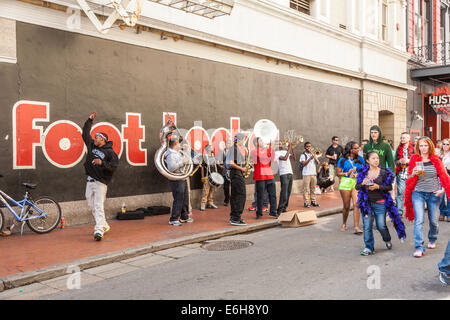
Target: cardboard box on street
{"points": [[297, 218]]}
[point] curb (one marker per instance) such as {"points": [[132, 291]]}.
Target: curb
{"points": [[29, 277]]}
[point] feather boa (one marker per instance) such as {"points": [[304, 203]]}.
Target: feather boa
{"points": [[411, 182], [391, 209]]}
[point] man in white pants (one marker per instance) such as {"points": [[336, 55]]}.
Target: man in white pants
{"points": [[101, 162]]}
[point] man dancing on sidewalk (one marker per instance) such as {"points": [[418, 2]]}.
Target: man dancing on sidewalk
{"points": [[101, 162]]}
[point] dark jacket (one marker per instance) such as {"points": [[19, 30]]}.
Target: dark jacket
{"points": [[322, 176], [109, 158]]}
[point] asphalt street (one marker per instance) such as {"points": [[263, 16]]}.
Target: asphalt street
{"points": [[312, 262]]}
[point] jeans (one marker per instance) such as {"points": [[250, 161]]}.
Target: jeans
{"points": [[238, 195], [285, 193], [180, 205], [261, 187], [419, 198], [445, 206], [265, 200], [444, 265], [401, 185], [96, 196], [378, 210]]}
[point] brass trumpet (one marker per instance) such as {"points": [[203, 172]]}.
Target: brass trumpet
{"points": [[316, 152], [294, 143]]}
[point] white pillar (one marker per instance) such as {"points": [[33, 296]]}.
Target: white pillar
{"points": [[403, 25], [320, 9], [392, 33], [362, 17], [351, 16]]}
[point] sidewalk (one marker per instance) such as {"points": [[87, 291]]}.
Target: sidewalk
{"points": [[31, 257]]}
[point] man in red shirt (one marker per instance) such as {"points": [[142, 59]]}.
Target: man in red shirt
{"points": [[262, 159]]}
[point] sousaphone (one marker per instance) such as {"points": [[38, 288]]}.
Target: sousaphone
{"points": [[160, 161]]}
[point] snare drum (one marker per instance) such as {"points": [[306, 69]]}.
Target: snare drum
{"points": [[215, 179]]}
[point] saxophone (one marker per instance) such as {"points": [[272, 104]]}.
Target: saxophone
{"points": [[248, 164]]}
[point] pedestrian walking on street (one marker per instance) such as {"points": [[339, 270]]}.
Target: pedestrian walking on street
{"points": [[415, 142], [175, 162], [333, 153], [262, 157], [208, 166], [428, 180], [236, 159], [404, 152], [374, 200], [439, 148], [444, 267], [348, 167], [101, 162], [382, 148], [283, 158], [308, 163], [445, 201], [361, 147]]}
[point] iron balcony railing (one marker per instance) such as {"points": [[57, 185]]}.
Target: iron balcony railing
{"points": [[437, 53]]}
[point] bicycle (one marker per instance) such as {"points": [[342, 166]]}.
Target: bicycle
{"points": [[41, 215]]}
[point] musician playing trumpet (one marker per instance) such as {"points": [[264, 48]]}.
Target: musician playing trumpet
{"points": [[309, 162], [283, 158]]}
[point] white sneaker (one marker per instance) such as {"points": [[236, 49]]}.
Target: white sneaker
{"points": [[175, 223], [432, 245], [418, 254], [187, 220]]}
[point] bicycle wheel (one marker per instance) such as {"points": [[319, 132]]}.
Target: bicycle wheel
{"points": [[48, 222]]}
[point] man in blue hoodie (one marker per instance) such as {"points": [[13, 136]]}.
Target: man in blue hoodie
{"points": [[101, 162]]}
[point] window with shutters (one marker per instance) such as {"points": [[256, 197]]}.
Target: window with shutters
{"points": [[301, 5]]}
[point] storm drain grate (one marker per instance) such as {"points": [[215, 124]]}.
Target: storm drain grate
{"points": [[227, 245]]}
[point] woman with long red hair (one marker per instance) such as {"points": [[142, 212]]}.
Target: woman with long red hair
{"points": [[427, 182]]}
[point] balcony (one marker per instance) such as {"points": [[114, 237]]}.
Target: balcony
{"points": [[436, 54], [435, 60]]}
